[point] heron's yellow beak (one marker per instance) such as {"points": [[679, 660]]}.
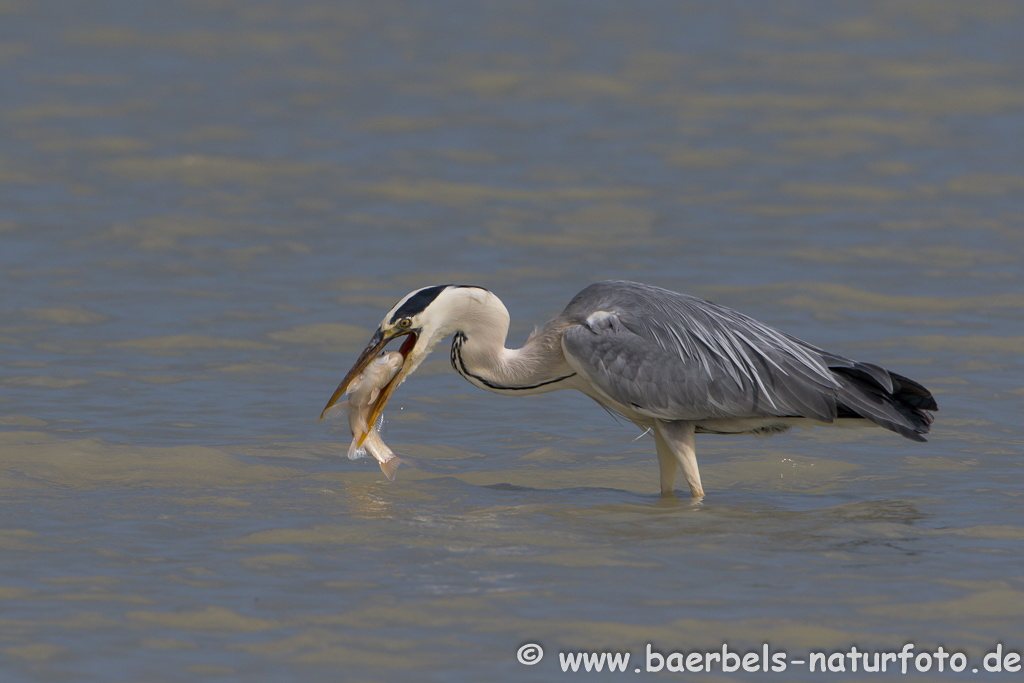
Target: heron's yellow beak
{"points": [[377, 343]]}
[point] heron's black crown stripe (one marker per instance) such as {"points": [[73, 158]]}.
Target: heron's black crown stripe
{"points": [[421, 299], [460, 367], [417, 302]]}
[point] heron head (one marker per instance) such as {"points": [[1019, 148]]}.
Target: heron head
{"points": [[424, 317]]}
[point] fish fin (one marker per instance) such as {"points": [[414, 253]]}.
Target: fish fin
{"points": [[354, 451], [390, 467], [339, 409]]}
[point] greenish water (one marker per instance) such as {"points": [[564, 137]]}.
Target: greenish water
{"points": [[206, 208]]}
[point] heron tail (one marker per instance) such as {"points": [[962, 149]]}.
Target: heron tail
{"points": [[889, 400]]}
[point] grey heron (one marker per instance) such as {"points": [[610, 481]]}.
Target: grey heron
{"points": [[670, 363]]}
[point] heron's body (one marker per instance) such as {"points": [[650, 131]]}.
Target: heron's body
{"points": [[669, 362]]}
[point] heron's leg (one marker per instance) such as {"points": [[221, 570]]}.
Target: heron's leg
{"points": [[678, 439], [667, 463]]}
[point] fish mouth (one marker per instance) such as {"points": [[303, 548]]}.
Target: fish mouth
{"points": [[372, 350]]}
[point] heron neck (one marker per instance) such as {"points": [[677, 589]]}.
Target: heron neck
{"points": [[479, 355]]}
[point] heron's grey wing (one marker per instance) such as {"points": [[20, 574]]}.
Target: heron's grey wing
{"points": [[639, 373], [792, 375], [734, 366]]}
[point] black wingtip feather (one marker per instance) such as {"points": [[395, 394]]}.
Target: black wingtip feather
{"points": [[903, 410], [910, 392]]}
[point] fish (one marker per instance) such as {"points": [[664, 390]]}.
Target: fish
{"points": [[363, 393]]}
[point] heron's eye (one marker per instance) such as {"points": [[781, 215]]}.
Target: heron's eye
{"points": [[404, 323]]}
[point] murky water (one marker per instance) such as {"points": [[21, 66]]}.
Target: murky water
{"points": [[205, 208]]}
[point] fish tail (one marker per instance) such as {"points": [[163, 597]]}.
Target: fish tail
{"points": [[389, 467]]}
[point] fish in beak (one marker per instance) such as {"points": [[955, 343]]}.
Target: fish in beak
{"points": [[363, 393], [377, 343]]}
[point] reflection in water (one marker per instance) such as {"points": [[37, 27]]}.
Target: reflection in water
{"points": [[204, 208], [364, 501]]}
